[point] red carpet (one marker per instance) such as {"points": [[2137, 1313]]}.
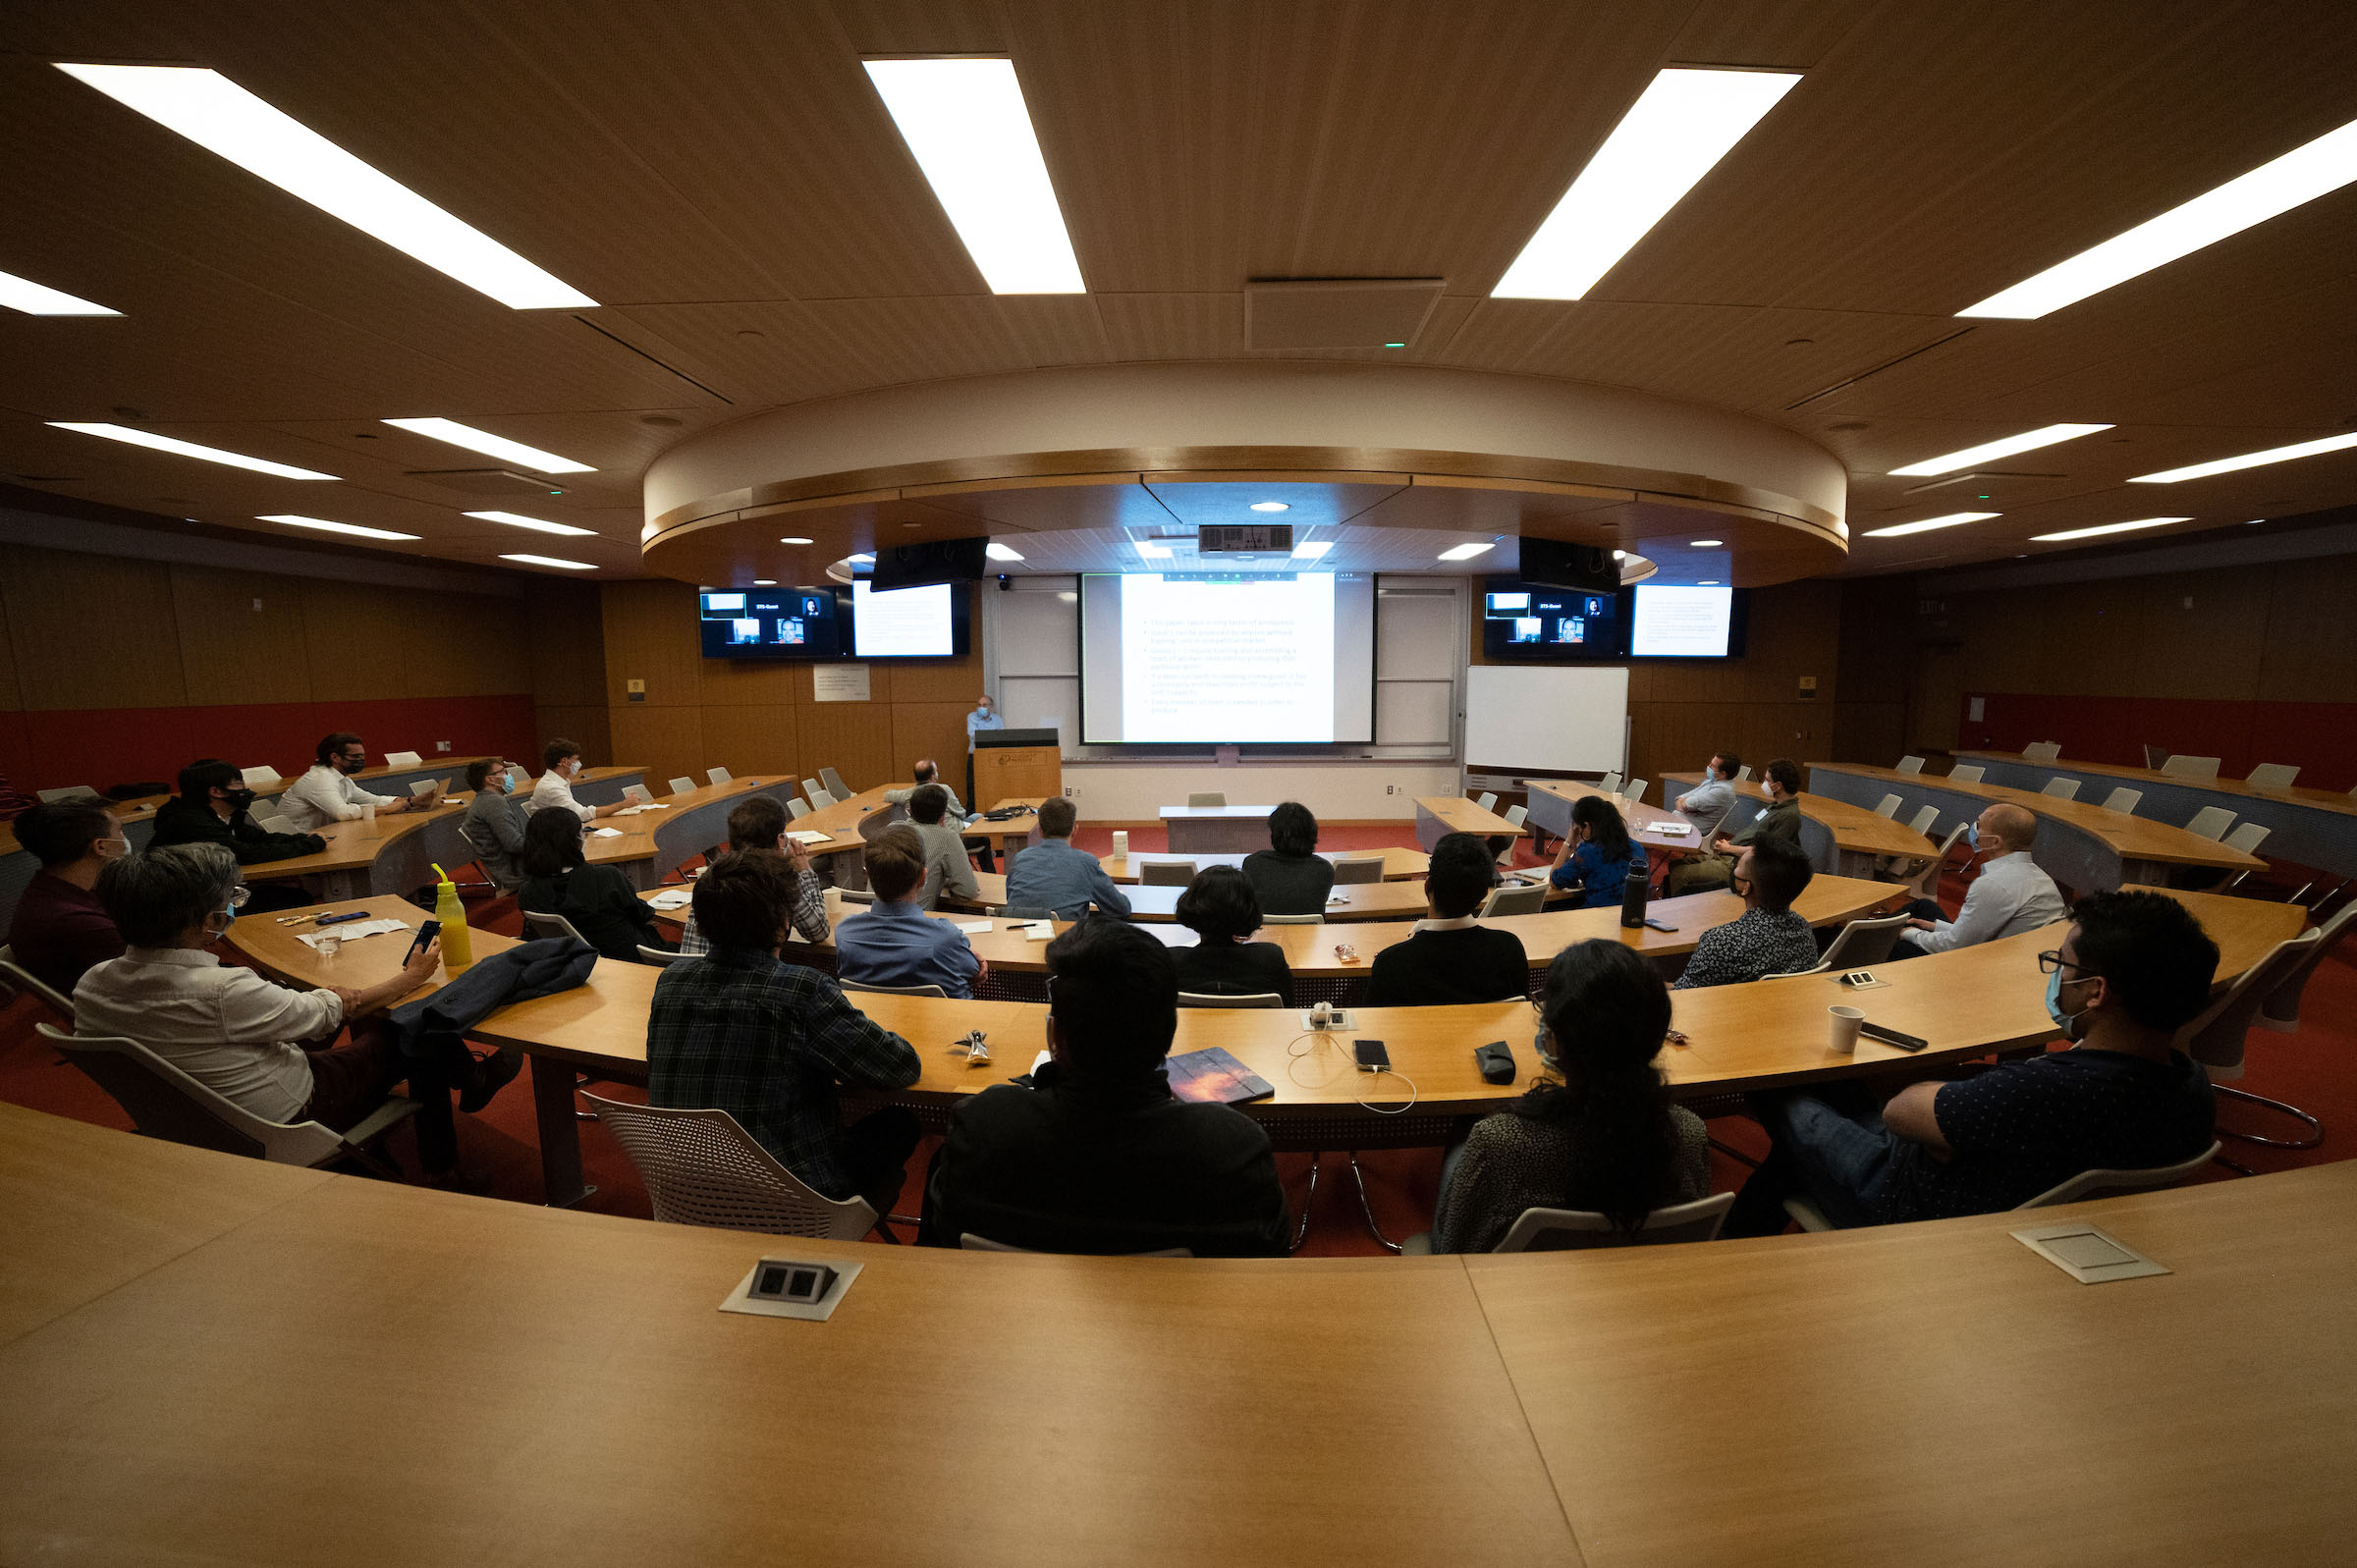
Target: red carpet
{"points": [[2311, 1069]]}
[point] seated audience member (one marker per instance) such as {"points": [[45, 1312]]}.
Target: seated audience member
{"points": [[2009, 896], [555, 788], [230, 1029], [948, 871], [213, 807], [326, 793], [743, 1031], [1599, 857], [2133, 969], [1096, 1156], [1450, 959], [13, 802], [1707, 804], [894, 942], [493, 825], [1780, 780], [1220, 909], [757, 826], [598, 900], [1598, 1132], [1054, 876], [928, 772], [1767, 938], [60, 929], [1290, 877]]}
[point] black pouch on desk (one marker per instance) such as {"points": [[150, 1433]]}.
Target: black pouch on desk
{"points": [[1497, 1064]]}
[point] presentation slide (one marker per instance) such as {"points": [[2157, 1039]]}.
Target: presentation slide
{"points": [[1680, 623], [1242, 660], [902, 624]]}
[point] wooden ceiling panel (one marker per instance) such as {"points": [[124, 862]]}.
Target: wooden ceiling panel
{"points": [[757, 353], [1173, 326], [923, 338]]}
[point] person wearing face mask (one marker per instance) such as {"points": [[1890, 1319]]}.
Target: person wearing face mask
{"points": [[1779, 781], [326, 793], [1599, 1132], [2009, 896], [213, 807], [984, 717], [1767, 938], [2132, 970], [493, 825], [1707, 804], [554, 788], [60, 930]]}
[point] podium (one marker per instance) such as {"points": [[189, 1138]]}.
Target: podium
{"points": [[1014, 765]]}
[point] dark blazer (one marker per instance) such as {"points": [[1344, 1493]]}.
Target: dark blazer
{"points": [[180, 820], [1234, 969], [1065, 1167], [1290, 885], [1434, 967], [603, 907]]}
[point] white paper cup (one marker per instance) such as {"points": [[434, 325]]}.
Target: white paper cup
{"points": [[369, 812], [1121, 840], [1845, 1021]]}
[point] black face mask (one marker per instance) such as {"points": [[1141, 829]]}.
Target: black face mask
{"points": [[240, 799], [351, 765]]}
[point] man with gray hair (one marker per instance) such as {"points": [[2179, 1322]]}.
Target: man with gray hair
{"points": [[227, 1027], [2009, 896]]}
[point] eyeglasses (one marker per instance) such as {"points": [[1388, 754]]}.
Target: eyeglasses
{"points": [[2049, 962], [237, 896]]}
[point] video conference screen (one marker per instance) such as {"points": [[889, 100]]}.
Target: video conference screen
{"points": [[1232, 660], [1526, 621], [769, 623], [825, 623]]}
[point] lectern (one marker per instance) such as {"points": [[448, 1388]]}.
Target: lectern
{"points": [[1016, 764]]}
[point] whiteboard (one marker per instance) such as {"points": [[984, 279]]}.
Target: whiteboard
{"points": [[1544, 718]]}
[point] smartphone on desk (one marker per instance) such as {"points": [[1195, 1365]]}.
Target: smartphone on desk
{"points": [[1652, 924], [426, 934], [1372, 1055]]}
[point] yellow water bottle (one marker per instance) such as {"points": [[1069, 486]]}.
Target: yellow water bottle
{"points": [[458, 951]]}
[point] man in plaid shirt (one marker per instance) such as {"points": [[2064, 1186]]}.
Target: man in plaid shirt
{"points": [[741, 1031], [759, 822]]}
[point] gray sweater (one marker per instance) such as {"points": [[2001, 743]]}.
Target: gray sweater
{"points": [[1513, 1163]]}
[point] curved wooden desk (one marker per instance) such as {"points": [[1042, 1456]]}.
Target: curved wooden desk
{"points": [[1360, 901], [1861, 835], [1399, 865], [1966, 1003], [1438, 816], [2312, 827], [2079, 844]]}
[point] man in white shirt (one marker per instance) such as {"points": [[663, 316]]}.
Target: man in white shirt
{"points": [[2009, 896], [325, 792], [986, 716], [554, 788], [1707, 804], [928, 772]]}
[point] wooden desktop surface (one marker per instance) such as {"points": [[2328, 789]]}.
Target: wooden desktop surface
{"points": [[2132, 839], [2321, 799], [133, 810], [1399, 865], [1457, 814], [353, 845], [1360, 901], [1856, 830], [546, 1386]]}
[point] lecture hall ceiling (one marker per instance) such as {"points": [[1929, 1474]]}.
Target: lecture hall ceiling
{"points": [[720, 177]]}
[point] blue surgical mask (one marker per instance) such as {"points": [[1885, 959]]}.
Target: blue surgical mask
{"points": [[229, 918], [2069, 1021], [1972, 839]]}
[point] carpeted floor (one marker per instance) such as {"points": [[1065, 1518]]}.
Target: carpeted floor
{"points": [[2312, 1069]]}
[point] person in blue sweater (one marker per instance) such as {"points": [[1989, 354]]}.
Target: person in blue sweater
{"points": [[1598, 858]]}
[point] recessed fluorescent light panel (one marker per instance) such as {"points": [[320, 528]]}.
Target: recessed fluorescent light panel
{"points": [[325, 526], [2249, 459], [491, 446], [1462, 552], [797, 539], [34, 299], [1152, 552], [1271, 506], [1312, 549], [2109, 527], [2005, 447], [515, 521], [218, 115], [189, 449], [552, 560], [998, 552], [1683, 123], [1898, 529], [965, 124], [2299, 175]]}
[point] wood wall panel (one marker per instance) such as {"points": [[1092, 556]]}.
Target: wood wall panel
{"points": [[752, 741], [585, 726], [235, 631], [368, 642], [93, 632], [666, 741], [935, 729], [751, 683], [854, 739], [565, 637], [2311, 651], [651, 635], [12, 694]]}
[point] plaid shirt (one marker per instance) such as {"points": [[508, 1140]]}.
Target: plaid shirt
{"points": [[766, 1042], [1753, 946], [809, 915]]}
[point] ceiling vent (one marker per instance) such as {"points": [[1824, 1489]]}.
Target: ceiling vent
{"points": [[488, 481], [1338, 312]]}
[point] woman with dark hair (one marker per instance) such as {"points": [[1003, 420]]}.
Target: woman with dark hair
{"points": [[1220, 909], [599, 900], [1599, 857], [1599, 1132], [1290, 877]]}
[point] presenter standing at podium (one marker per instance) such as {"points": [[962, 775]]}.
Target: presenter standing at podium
{"points": [[984, 717]]}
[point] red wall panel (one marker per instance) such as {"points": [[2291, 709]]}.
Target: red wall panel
{"points": [[2320, 737]]}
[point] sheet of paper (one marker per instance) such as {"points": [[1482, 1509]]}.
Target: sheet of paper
{"points": [[606, 833], [810, 838], [1039, 931], [353, 931], [973, 924], [672, 899]]}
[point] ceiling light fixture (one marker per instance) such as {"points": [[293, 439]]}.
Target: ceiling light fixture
{"points": [[1312, 549], [857, 561], [1620, 555], [2109, 527], [2005, 447], [1271, 506], [1951, 520], [552, 560], [2276, 186], [1706, 544], [456, 434], [1707, 582], [189, 449], [515, 521], [1463, 551], [325, 526], [797, 539], [37, 299], [1681, 125], [765, 582], [218, 115], [2249, 459], [965, 124], [998, 552], [1152, 552]]}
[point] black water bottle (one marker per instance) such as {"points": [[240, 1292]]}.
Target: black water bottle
{"points": [[1633, 900]]}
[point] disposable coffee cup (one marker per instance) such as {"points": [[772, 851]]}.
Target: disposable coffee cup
{"points": [[1121, 840], [369, 812], [1845, 1021]]}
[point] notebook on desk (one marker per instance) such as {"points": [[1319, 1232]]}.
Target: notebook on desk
{"points": [[1214, 1077]]}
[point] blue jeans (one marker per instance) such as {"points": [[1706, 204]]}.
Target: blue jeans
{"points": [[1829, 1147]]}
